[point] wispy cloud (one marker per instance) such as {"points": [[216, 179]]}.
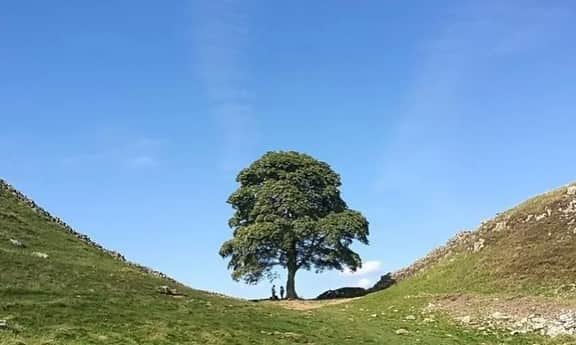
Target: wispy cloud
{"points": [[453, 63], [368, 267], [221, 39]]}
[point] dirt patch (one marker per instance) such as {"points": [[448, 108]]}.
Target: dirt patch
{"points": [[480, 306], [304, 305], [546, 316]]}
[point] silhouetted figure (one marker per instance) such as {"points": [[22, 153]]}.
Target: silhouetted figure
{"points": [[281, 292], [274, 297]]}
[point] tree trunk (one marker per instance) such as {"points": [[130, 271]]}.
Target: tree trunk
{"points": [[292, 266], [290, 284]]}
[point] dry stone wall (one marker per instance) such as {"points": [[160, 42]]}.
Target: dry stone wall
{"points": [[7, 188], [561, 208]]}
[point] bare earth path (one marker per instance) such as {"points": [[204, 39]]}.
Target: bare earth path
{"points": [[304, 305]]}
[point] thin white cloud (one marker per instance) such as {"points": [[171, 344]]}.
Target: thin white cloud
{"points": [[221, 39], [477, 38], [364, 283], [368, 267]]}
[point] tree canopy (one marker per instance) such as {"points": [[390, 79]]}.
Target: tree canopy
{"points": [[289, 214]]}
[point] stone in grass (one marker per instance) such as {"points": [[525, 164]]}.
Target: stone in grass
{"points": [[499, 316], [166, 290], [17, 243], [3, 324], [40, 255], [465, 319], [402, 331]]}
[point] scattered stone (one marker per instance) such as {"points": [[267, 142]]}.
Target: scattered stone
{"points": [[3, 324], [166, 290], [537, 323], [499, 316], [465, 319], [571, 190], [555, 331], [570, 208], [479, 245], [541, 216], [500, 226], [17, 243], [410, 317], [40, 255], [563, 324], [402, 331]]}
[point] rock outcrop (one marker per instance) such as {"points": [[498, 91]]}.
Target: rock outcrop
{"points": [[345, 292], [385, 282], [552, 213]]}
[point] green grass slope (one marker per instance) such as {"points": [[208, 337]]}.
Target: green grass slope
{"points": [[530, 249], [83, 294]]}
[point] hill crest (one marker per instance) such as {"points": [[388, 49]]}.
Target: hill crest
{"points": [[524, 242], [5, 187]]}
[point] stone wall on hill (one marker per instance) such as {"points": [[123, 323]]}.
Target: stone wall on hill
{"points": [[539, 209], [7, 188]]}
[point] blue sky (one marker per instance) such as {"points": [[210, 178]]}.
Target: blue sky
{"points": [[130, 119]]}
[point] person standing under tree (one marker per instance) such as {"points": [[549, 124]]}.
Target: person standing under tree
{"points": [[281, 292], [274, 297]]}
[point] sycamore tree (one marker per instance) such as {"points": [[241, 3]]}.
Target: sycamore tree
{"points": [[289, 214]]}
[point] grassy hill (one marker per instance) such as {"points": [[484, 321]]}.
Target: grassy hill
{"points": [[57, 287], [529, 249]]}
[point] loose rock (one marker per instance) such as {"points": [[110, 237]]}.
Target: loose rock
{"points": [[464, 319], [40, 255], [166, 290], [479, 245], [16, 243], [499, 316]]}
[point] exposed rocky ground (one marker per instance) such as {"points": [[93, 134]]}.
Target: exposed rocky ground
{"points": [[550, 317], [554, 212], [528, 252]]}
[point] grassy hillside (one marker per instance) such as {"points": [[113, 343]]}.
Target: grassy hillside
{"points": [[530, 249], [82, 294]]}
